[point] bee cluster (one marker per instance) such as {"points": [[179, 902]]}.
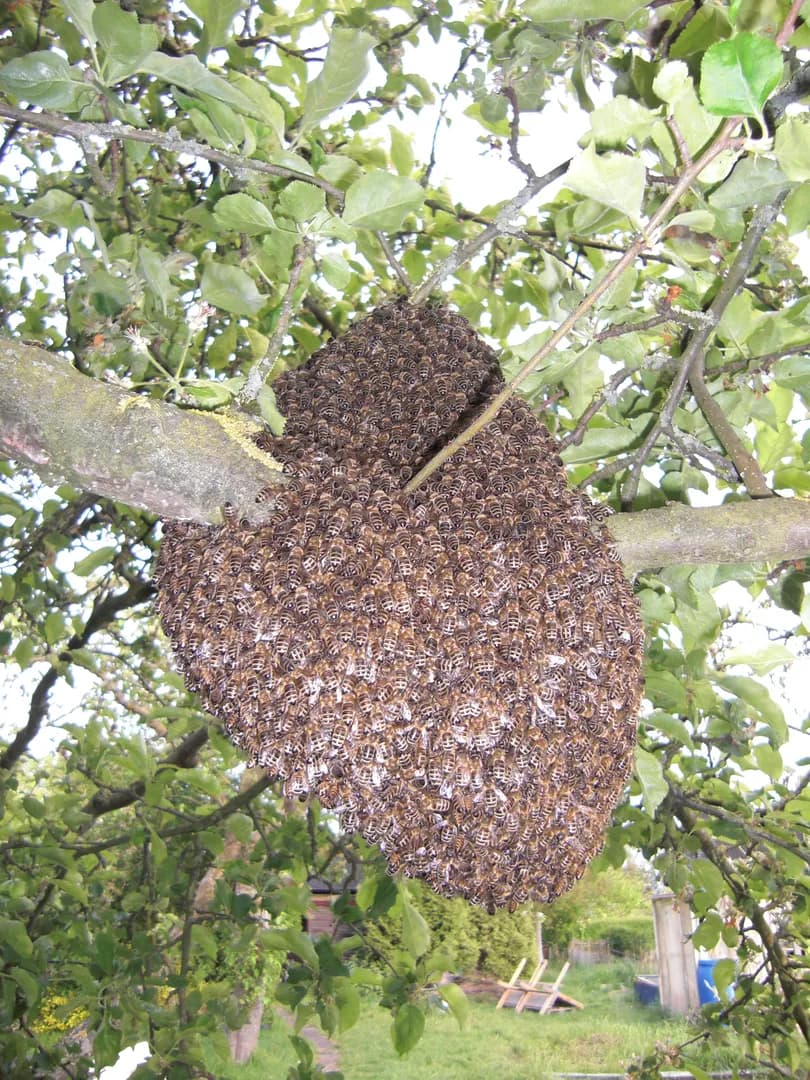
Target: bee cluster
{"points": [[454, 671]]}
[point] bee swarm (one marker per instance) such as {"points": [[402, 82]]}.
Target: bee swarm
{"points": [[454, 671]]}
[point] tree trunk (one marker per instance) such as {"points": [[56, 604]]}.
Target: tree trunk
{"points": [[245, 1039]]}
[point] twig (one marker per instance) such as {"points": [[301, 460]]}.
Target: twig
{"points": [[261, 369], [789, 25], [691, 371], [679, 140], [467, 52], [757, 364], [693, 449], [462, 253], [322, 316], [644, 239], [81, 130], [514, 134], [393, 261], [631, 328], [575, 437], [756, 484], [105, 611]]}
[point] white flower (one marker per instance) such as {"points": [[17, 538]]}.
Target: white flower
{"points": [[136, 339], [197, 319]]}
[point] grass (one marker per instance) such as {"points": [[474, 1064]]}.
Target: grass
{"points": [[605, 1036]]}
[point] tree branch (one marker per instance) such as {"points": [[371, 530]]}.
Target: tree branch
{"points": [[188, 464], [261, 369], [177, 463], [691, 371], [740, 532], [82, 130], [183, 756], [104, 612], [462, 253]]}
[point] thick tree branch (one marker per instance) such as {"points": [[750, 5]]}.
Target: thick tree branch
{"points": [[738, 532], [187, 464], [174, 462]]}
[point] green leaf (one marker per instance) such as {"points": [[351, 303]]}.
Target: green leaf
{"points": [[268, 111], [84, 567], [671, 726], [188, 73], [566, 10], [336, 271], [708, 882], [756, 695], [347, 999], [401, 151], [14, 936], [457, 1000], [763, 660], [104, 951], [345, 67], [415, 930], [708, 933], [58, 208], [792, 146], [80, 13], [54, 627], [29, 985], [409, 1023], [289, 940], [769, 760], [231, 289], [380, 200], [207, 393], [204, 940], [725, 972], [269, 412], [738, 75], [753, 182], [42, 78], [614, 180], [650, 773], [106, 1045], [301, 201], [217, 17], [244, 214], [621, 119], [125, 40], [601, 440]]}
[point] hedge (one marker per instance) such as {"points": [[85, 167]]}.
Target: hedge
{"points": [[472, 939]]}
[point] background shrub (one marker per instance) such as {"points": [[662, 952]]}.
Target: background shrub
{"points": [[472, 939]]}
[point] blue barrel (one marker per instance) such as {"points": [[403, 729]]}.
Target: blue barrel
{"points": [[707, 990]]}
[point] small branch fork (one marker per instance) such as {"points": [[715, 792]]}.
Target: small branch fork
{"points": [[692, 372], [725, 140]]}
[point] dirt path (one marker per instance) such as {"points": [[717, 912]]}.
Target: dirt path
{"points": [[327, 1053]]}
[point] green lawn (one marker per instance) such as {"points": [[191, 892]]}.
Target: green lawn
{"points": [[602, 1037]]}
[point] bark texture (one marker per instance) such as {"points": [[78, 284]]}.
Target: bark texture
{"points": [[187, 464]]}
